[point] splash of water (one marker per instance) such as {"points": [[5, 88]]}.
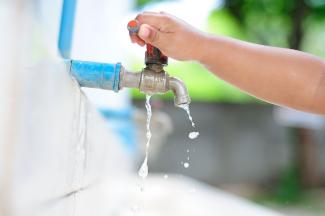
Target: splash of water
{"points": [[79, 153], [143, 171], [191, 135], [186, 107]]}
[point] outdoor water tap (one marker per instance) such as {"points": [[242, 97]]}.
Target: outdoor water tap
{"points": [[153, 79]]}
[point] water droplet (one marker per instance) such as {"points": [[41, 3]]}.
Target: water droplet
{"points": [[193, 135], [143, 171], [186, 107], [165, 176], [186, 165]]}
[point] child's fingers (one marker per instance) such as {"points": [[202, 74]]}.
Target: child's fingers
{"points": [[153, 19], [136, 39], [133, 38], [140, 41]]}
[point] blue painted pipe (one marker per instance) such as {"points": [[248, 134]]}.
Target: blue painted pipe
{"points": [[96, 75], [66, 27]]}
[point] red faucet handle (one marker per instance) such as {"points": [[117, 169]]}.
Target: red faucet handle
{"points": [[153, 54], [150, 49], [133, 27]]}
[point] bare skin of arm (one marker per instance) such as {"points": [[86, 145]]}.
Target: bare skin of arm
{"points": [[280, 76]]}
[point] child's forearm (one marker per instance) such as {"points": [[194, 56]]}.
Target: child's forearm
{"points": [[281, 76]]}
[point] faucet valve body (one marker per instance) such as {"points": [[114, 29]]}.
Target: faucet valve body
{"points": [[153, 82]]}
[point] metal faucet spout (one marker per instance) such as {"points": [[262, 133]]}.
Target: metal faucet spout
{"points": [[181, 96]]}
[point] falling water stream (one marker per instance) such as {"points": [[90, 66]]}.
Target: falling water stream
{"points": [[191, 135], [143, 171], [79, 153]]}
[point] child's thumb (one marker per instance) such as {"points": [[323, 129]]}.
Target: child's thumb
{"points": [[150, 35]]}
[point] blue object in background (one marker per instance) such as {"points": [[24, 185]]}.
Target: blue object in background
{"points": [[66, 27], [123, 126]]}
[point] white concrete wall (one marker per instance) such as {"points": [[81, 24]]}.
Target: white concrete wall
{"points": [[52, 141]]}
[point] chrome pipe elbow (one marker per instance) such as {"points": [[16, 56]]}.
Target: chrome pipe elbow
{"points": [[181, 96]]}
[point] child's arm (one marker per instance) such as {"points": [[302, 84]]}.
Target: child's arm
{"points": [[281, 76]]}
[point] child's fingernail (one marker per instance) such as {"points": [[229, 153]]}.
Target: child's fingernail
{"points": [[144, 32]]}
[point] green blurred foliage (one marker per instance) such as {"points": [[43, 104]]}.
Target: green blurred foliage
{"points": [[287, 192], [141, 3], [277, 22], [222, 22], [298, 24]]}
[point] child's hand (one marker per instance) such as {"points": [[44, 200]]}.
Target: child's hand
{"points": [[174, 37]]}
